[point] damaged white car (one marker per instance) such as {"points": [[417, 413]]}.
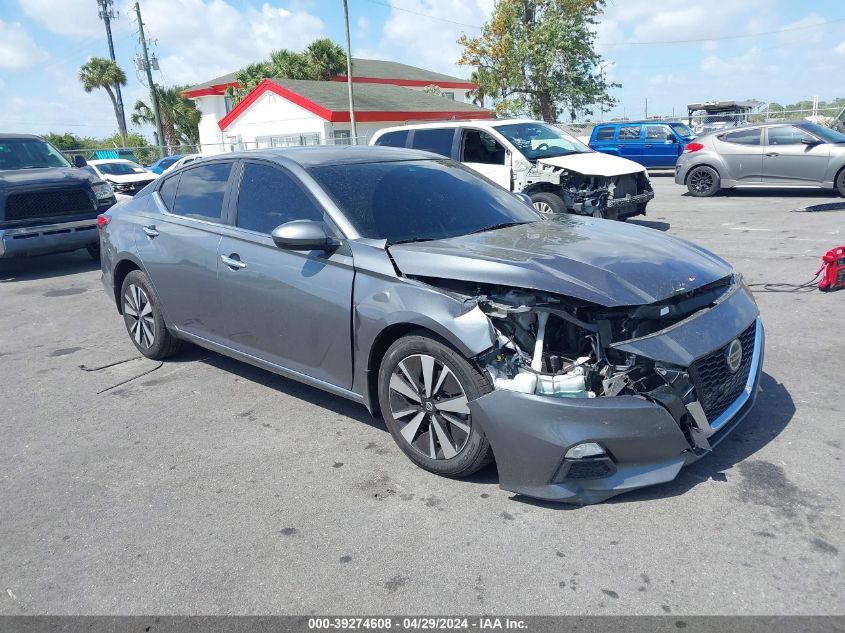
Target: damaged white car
{"points": [[557, 171]]}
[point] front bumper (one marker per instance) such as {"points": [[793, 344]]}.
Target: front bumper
{"points": [[645, 444], [630, 201], [48, 238]]}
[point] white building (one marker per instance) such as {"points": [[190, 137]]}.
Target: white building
{"points": [[283, 112]]}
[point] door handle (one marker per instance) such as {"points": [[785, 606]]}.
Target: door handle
{"points": [[151, 231], [233, 261], [772, 154]]}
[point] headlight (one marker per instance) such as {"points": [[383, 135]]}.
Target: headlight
{"points": [[103, 191]]}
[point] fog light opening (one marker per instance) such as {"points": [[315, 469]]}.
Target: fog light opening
{"points": [[586, 449]]}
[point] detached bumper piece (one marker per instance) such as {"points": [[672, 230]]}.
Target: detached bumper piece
{"points": [[50, 238], [630, 201]]}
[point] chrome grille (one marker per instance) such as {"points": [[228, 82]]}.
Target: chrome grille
{"points": [[716, 386]]}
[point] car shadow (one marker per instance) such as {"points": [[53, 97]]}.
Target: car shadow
{"points": [[651, 224], [772, 412], [46, 266], [287, 386], [774, 192]]}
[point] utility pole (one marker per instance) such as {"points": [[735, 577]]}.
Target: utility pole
{"points": [[349, 75], [153, 91], [107, 14]]}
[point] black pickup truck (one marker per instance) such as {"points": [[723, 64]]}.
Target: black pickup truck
{"points": [[47, 205]]}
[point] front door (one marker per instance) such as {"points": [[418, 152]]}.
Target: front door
{"points": [[630, 142], [178, 246], [794, 157], [661, 147], [483, 153], [289, 308]]}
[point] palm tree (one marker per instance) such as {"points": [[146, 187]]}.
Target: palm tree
{"points": [[289, 65], [249, 77], [179, 116], [325, 59], [98, 72], [477, 94]]}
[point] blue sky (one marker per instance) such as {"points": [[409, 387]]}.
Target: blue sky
{"points": [[733, 53]]}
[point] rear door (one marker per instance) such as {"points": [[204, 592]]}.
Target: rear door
{"points": [[290, 308], [603, 139], [179, 246], [661, 148], [742, 151], [787, 160], [630, 142], [438, 140], [480, 151]]}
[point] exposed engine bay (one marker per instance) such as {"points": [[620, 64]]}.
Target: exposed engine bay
{"points": [[612, 196]]}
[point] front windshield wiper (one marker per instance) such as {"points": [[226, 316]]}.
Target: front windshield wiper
{"points": [[412, 241], [496, 227]]}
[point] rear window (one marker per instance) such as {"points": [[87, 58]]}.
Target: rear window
{"points": [[393, 139], [201, 192], [438, 141], [742, 137], [629, 133], [604, 134]]}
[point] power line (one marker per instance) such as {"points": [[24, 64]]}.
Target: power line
{"points": [[425, 15]]}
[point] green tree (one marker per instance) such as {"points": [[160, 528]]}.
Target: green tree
{"points": [[538, 57], [98, 72], [64, 142], [478, 94], [320, 61], [179, 116]]}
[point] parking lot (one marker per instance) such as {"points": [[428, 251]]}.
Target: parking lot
{"points": [[203, 485]]}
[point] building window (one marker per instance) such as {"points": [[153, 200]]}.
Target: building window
{"points": [[230, 103], [448, 95], [342, 137], [287, 140]]}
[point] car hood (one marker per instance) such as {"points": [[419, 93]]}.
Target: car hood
{"points": [[46, 176], [129, 178], [595, 164], [601, 261]]}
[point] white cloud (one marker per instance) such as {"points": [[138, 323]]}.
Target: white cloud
{"points": [[208, 38], [430, 43], [710, 45], [751, 60], [807, 30], [841, 48], [17, 50], [73, 18]]}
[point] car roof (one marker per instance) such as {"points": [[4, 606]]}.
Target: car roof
{"points": [[643, 122], [100, 161], [319, 155], [459, 123], [10, 136]]}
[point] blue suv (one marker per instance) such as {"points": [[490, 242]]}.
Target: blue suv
{"points": [[653, 144]]}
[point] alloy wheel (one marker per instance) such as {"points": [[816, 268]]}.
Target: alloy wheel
{"points": [[543, 207], [430, 406], [701, 181], [138, 312]]}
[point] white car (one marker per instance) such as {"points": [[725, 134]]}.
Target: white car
{"points": [[126, 177], [557, 171], [187, 158]]}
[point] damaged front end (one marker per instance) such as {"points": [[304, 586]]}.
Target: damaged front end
{"points": [[616, 196], [590, 401]]}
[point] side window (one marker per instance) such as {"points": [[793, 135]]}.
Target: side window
{"points": [[393, 139], [629, 133], [604, 134], [743, 137], [478, 146], [167, 191], [787, 135], [269, 197], [657, 132], [435, 140], [201, 191]]}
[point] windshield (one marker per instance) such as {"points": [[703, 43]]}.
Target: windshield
{"points": [[540, 140], [682, 130], [417, 201], [120, 169], [825, 133], [29, 153]]}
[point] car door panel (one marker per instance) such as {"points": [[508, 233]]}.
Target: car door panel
{"points": [[658, 150], [630, 143], [486, 155], [794, 163], [742, 153]]}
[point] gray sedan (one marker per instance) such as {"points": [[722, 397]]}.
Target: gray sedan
{"points": [[773, 155], [589, 357]]}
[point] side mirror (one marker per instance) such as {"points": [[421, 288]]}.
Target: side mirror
{"points": [[79, 160], [303, 235], [809, 141]]}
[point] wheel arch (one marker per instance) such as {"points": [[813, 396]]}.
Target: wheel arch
{"points": [[123, 267], [703, 164]]}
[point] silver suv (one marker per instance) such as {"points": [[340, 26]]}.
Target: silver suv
{"points": [[771, 155]]}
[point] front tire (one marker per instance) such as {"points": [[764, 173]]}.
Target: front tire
{"points": [[548, 204], [424, 387], [141, 308], [703, 181], [839, 183]]}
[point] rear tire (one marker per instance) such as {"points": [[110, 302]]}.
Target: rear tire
{"points": [[839, 183], [703, 181], [548, 204], [141, 308], [425, 410]]}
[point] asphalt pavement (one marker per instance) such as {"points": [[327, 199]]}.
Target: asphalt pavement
{"points": [[206, 486]]}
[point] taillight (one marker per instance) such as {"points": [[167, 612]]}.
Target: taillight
{"points": [[102, 220], [694, 147]]}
